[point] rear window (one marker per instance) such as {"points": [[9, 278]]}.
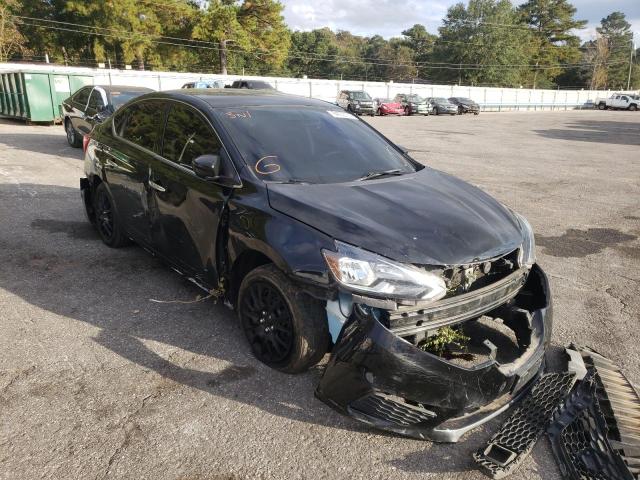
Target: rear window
{"points": [[82, 96], [119, 98]]}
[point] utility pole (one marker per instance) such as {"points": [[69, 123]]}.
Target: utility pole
{"points": [[633, 48]]}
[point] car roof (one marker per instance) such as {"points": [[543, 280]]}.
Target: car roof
{"points": [[126, 88], [240, 97]]}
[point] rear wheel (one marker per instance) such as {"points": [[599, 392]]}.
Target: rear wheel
{"points": [[286, 328], [602, 106], [460, 111], [107, 221], [73, 138], [633, 108]]}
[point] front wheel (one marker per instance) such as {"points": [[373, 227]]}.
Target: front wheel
{"points": [[633, 108], [460, 111], [286, 328], [602, 106]]}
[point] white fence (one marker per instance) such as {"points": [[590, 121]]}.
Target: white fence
{"points": [[489, 98]]}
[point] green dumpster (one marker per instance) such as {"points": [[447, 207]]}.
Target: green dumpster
{"points": [[37, 96]]}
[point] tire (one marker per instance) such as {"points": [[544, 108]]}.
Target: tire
{"points": [[107, 221], [407, 111], [379, 112], [460, 110], [299, 339], [73, 137], [633, 107], [437, 110], [476, 113], [602, 106]]}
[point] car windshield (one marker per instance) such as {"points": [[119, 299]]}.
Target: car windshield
{"points": [[415, 98], [465, 100], [310, 144], [441, 100], [360, 96], [119, 98]]}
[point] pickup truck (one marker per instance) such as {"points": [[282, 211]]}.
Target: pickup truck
{"points": [[619, 101]]}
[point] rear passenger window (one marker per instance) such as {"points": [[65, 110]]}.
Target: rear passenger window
{"points": [[187, 135], [140, 123], [82, 96]]}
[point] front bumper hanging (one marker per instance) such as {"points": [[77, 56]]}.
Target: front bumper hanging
{"points": [[379, 378]]}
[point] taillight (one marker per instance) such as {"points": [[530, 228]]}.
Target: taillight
{"points": [[85, 143]]}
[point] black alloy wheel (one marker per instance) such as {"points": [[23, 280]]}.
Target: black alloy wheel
{"points": [[106, 218], [104, 215], [267, 323], [286, 328]]}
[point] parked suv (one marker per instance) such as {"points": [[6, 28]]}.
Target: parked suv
{"points": [[252, 85], [413, 104], [325, 236], [357, 101]]}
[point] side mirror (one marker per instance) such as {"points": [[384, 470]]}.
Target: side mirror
{"points": [[207, 166]]}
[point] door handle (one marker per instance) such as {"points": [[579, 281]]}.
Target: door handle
{"points": [[157, 187]]}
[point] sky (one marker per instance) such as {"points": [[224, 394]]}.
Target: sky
{"points": [[390, 17]]}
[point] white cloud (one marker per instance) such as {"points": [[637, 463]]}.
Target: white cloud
{"points": [[390, 17]]}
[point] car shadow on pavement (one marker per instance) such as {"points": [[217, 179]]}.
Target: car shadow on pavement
{"points": [[52, 258], [605, 131], [61, 266], [40, 141]]}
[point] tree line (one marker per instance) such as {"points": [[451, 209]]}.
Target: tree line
{"points": [[482, 42]]}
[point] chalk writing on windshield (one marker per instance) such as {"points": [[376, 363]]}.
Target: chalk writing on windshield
{"points": [[267, 165]]}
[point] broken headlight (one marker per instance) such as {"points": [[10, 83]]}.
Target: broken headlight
{"points": [[363, 271], [527, 253]]}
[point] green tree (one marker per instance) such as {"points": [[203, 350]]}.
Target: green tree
{"points": [[254, 29], [617, 32], [554, 42], [11, 40], [483, 43], [421, 44], [313, 53]]}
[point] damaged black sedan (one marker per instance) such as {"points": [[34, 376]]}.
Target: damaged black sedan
{"points": [[327, 237]]}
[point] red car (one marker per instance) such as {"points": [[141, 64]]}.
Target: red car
{"points": [[389, 107]]}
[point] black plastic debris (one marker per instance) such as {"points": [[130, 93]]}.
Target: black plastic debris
{"points": [[596, 433], [510, 446]]}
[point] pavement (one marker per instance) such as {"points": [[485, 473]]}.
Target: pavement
{"points": [[105, 374]]}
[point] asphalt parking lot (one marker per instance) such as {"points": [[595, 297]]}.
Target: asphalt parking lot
{"points": [[98, 380]]}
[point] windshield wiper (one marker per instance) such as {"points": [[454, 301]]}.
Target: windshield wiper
{"points": [[374, 174], [292, 181]]}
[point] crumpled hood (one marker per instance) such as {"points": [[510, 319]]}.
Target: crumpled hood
{"points": [[428, 218]]}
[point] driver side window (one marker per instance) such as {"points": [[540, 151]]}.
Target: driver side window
{"points": [[187, 135]]}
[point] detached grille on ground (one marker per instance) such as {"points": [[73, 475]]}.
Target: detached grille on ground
{"points": [[596, 434], [517, 436], [385, 408]]}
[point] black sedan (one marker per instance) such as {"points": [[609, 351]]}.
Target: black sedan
{"points": [[91, 105], [465, 105], [324, 236], [442, 106]]}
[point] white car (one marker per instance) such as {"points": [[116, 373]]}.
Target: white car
{"points": [[619, 101]]}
